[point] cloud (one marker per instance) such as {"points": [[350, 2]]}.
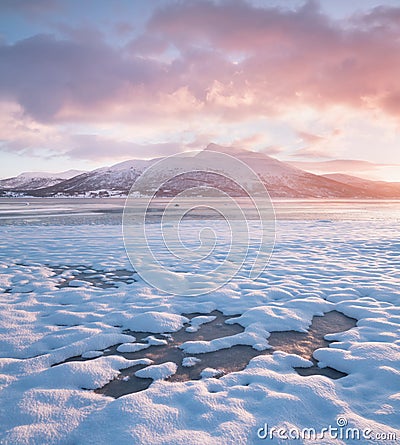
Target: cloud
{"points": [[229, 59], [388, 15], [46, 75], [249, 142], [310, 138], [314, 147], [19, 134], [123, 28], [359, 168], [339, 166], [289, 57], [27, 7], [273, 150], [93, 147], [267, 77]]}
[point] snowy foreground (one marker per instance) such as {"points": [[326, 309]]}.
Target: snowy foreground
{"points": [[317, 266]]}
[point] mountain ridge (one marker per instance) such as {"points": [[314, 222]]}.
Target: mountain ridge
{"points": [[281, 180], [34, 180]]}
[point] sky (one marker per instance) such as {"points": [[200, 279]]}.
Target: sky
{"points": [[88, 84]]}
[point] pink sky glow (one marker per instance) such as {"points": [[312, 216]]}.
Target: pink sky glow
{"points": [[304, 81]]}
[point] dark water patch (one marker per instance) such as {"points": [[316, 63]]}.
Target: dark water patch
{"points": [[304, 344], [227, 360], [98, 278]]}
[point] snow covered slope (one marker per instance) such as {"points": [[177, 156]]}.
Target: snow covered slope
{"points": [[119, 178], [286, 181]]}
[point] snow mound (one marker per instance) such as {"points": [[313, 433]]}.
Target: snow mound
{"points": [[157, 372], [92, 354], [90, 374], [156, 322], [153, 341], [196, 322], [188, 362], [132, 347], [210, 373], [254, 335], [79, 283]]}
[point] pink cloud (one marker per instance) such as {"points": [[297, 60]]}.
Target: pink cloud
{"points": [[353, 166], [310, 138], [290, 57], [228, 59]]}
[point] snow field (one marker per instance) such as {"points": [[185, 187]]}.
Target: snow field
{"points": [[317, 266]]}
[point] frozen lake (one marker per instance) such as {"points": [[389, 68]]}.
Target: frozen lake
{"points": [[76, 322], [72, 211]]}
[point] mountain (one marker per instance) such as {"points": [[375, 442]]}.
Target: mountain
{"points": [[36, 180], [281, 180], [285, 181], [380, 189], [104, 181]]}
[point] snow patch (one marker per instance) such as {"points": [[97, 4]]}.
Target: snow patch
{"points": [[157, 372]]}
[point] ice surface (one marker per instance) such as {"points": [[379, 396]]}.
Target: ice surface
{"points": [[351, 267], [227, 360]]}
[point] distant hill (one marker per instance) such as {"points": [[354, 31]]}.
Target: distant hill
{"points": [[281, 180], [379, 189], [36, 180]]}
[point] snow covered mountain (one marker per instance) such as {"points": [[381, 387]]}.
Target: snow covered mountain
{"points": [[380, 189], [281, 179], [104, 181], [36, 180], [285, 181]]}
